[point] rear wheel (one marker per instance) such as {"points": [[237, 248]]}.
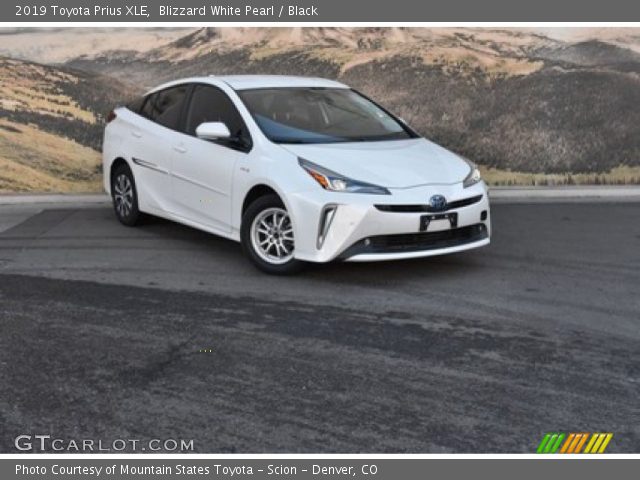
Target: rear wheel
{"points": [[125, 196], [267, 236]]}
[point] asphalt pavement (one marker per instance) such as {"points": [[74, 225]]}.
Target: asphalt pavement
{"points": [[163, 331]]}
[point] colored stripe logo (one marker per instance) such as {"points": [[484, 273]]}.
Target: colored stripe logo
{"points": [[574, 443]]}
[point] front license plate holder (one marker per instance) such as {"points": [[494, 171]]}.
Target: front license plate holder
{"points": [[436, 218]]}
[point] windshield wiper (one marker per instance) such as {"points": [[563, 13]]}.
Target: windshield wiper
{"points": [[307, 142], [292, 140]]}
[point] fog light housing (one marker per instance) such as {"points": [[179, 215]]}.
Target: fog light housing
{"points": [[326, 218]]}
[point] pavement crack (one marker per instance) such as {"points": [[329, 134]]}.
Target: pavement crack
{"points": [[157, 365]]}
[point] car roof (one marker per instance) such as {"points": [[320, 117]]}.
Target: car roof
{"points": [[242, 82], [245, 82]]}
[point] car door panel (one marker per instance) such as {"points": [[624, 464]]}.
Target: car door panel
{"points": [[202, 170], [150, 164], [153, 132], [202, 177]]}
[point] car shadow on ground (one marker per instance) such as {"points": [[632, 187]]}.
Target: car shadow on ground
{"points": [[361, 273]]}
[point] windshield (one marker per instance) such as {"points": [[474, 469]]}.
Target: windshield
{"points": [[320, 115]]}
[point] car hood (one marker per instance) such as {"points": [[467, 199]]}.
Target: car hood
{"points": [[391, 164]]}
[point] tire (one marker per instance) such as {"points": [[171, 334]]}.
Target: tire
{"points": [[125, 196], [267, 237]]}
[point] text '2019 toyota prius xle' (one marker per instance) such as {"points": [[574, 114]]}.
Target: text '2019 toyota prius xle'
{"points": [[296, 169]]}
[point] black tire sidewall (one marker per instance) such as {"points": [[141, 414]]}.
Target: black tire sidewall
{"points": [[134, 215], [259, 205]]}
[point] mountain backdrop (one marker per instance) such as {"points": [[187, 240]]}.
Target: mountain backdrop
{"points": [[530, 106]]}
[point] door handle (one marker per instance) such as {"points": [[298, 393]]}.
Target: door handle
{"points": [[136, 134], [180, 149]]}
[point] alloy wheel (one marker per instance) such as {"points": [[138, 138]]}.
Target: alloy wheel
{"points": [[272, 235], [123, 195]]}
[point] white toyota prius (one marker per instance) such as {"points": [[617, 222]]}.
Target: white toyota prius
{"points": [[296, 169]]}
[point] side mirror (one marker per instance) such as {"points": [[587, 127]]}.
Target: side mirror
{"points": [[212, 131]]}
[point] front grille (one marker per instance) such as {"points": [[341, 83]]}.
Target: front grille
{"points": [[416, 242], [418, 208]]}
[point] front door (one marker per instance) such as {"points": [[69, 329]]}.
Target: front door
{"points": [[202, 170]]}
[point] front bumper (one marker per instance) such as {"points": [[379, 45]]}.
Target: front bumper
{"points": [[387, 227]]}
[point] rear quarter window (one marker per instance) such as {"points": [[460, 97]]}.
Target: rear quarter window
{"points": [[165, 106], [147, 106], [135, 105]]}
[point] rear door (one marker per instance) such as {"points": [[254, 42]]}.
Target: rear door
{"points": [[202, 171], [152, 137]]}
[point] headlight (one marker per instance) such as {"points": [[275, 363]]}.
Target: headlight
{"points": [[474, 174], [337, 183]]}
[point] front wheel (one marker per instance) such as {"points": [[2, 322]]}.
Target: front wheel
{"points": [[267, 236]]}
